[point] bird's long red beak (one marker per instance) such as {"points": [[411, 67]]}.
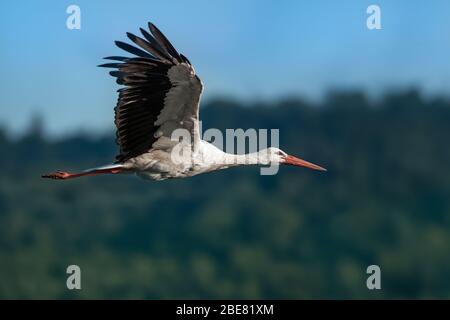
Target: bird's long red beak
{"points": [[293, 161]]}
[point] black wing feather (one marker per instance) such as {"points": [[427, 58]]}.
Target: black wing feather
{"points": [[164, 41], [148, 47], [133, 50], [116, 58]]}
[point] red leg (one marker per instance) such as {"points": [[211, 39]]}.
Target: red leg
{"points": [[61, 175]]}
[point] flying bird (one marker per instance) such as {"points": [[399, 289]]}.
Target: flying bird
{"points": [[161, 94]]}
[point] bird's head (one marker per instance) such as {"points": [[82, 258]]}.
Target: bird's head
{"points": [[277, 156]]}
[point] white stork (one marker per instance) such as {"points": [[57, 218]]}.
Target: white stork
{"points": [[161, 94]]}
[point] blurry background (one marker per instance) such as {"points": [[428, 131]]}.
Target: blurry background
{"points": [[370, 105]]}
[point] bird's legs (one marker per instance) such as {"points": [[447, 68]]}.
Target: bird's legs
{"points": [[61, 175]]}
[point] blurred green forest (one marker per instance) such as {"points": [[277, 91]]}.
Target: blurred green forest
{"points": [[300, 234]]}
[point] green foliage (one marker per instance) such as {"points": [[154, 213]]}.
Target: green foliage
{"points": [[235, 234]]}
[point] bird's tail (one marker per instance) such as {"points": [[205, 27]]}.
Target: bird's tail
{"points": [[108, 169]]}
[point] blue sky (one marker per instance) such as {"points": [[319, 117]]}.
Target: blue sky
{"points": [[246, 49]]}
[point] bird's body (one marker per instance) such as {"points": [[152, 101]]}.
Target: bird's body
{"points": [[157, 118], [158, 164]]}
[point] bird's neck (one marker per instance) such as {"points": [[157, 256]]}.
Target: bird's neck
{"points": [[215, 157], [242, 159]]}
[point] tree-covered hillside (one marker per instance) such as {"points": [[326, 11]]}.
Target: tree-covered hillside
{"points": [[236, 234]]}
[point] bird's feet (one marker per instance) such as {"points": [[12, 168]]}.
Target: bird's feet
{"points": [[58, 175]]}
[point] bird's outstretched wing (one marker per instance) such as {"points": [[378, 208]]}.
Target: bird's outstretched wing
{"points": [[161, 94]]}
